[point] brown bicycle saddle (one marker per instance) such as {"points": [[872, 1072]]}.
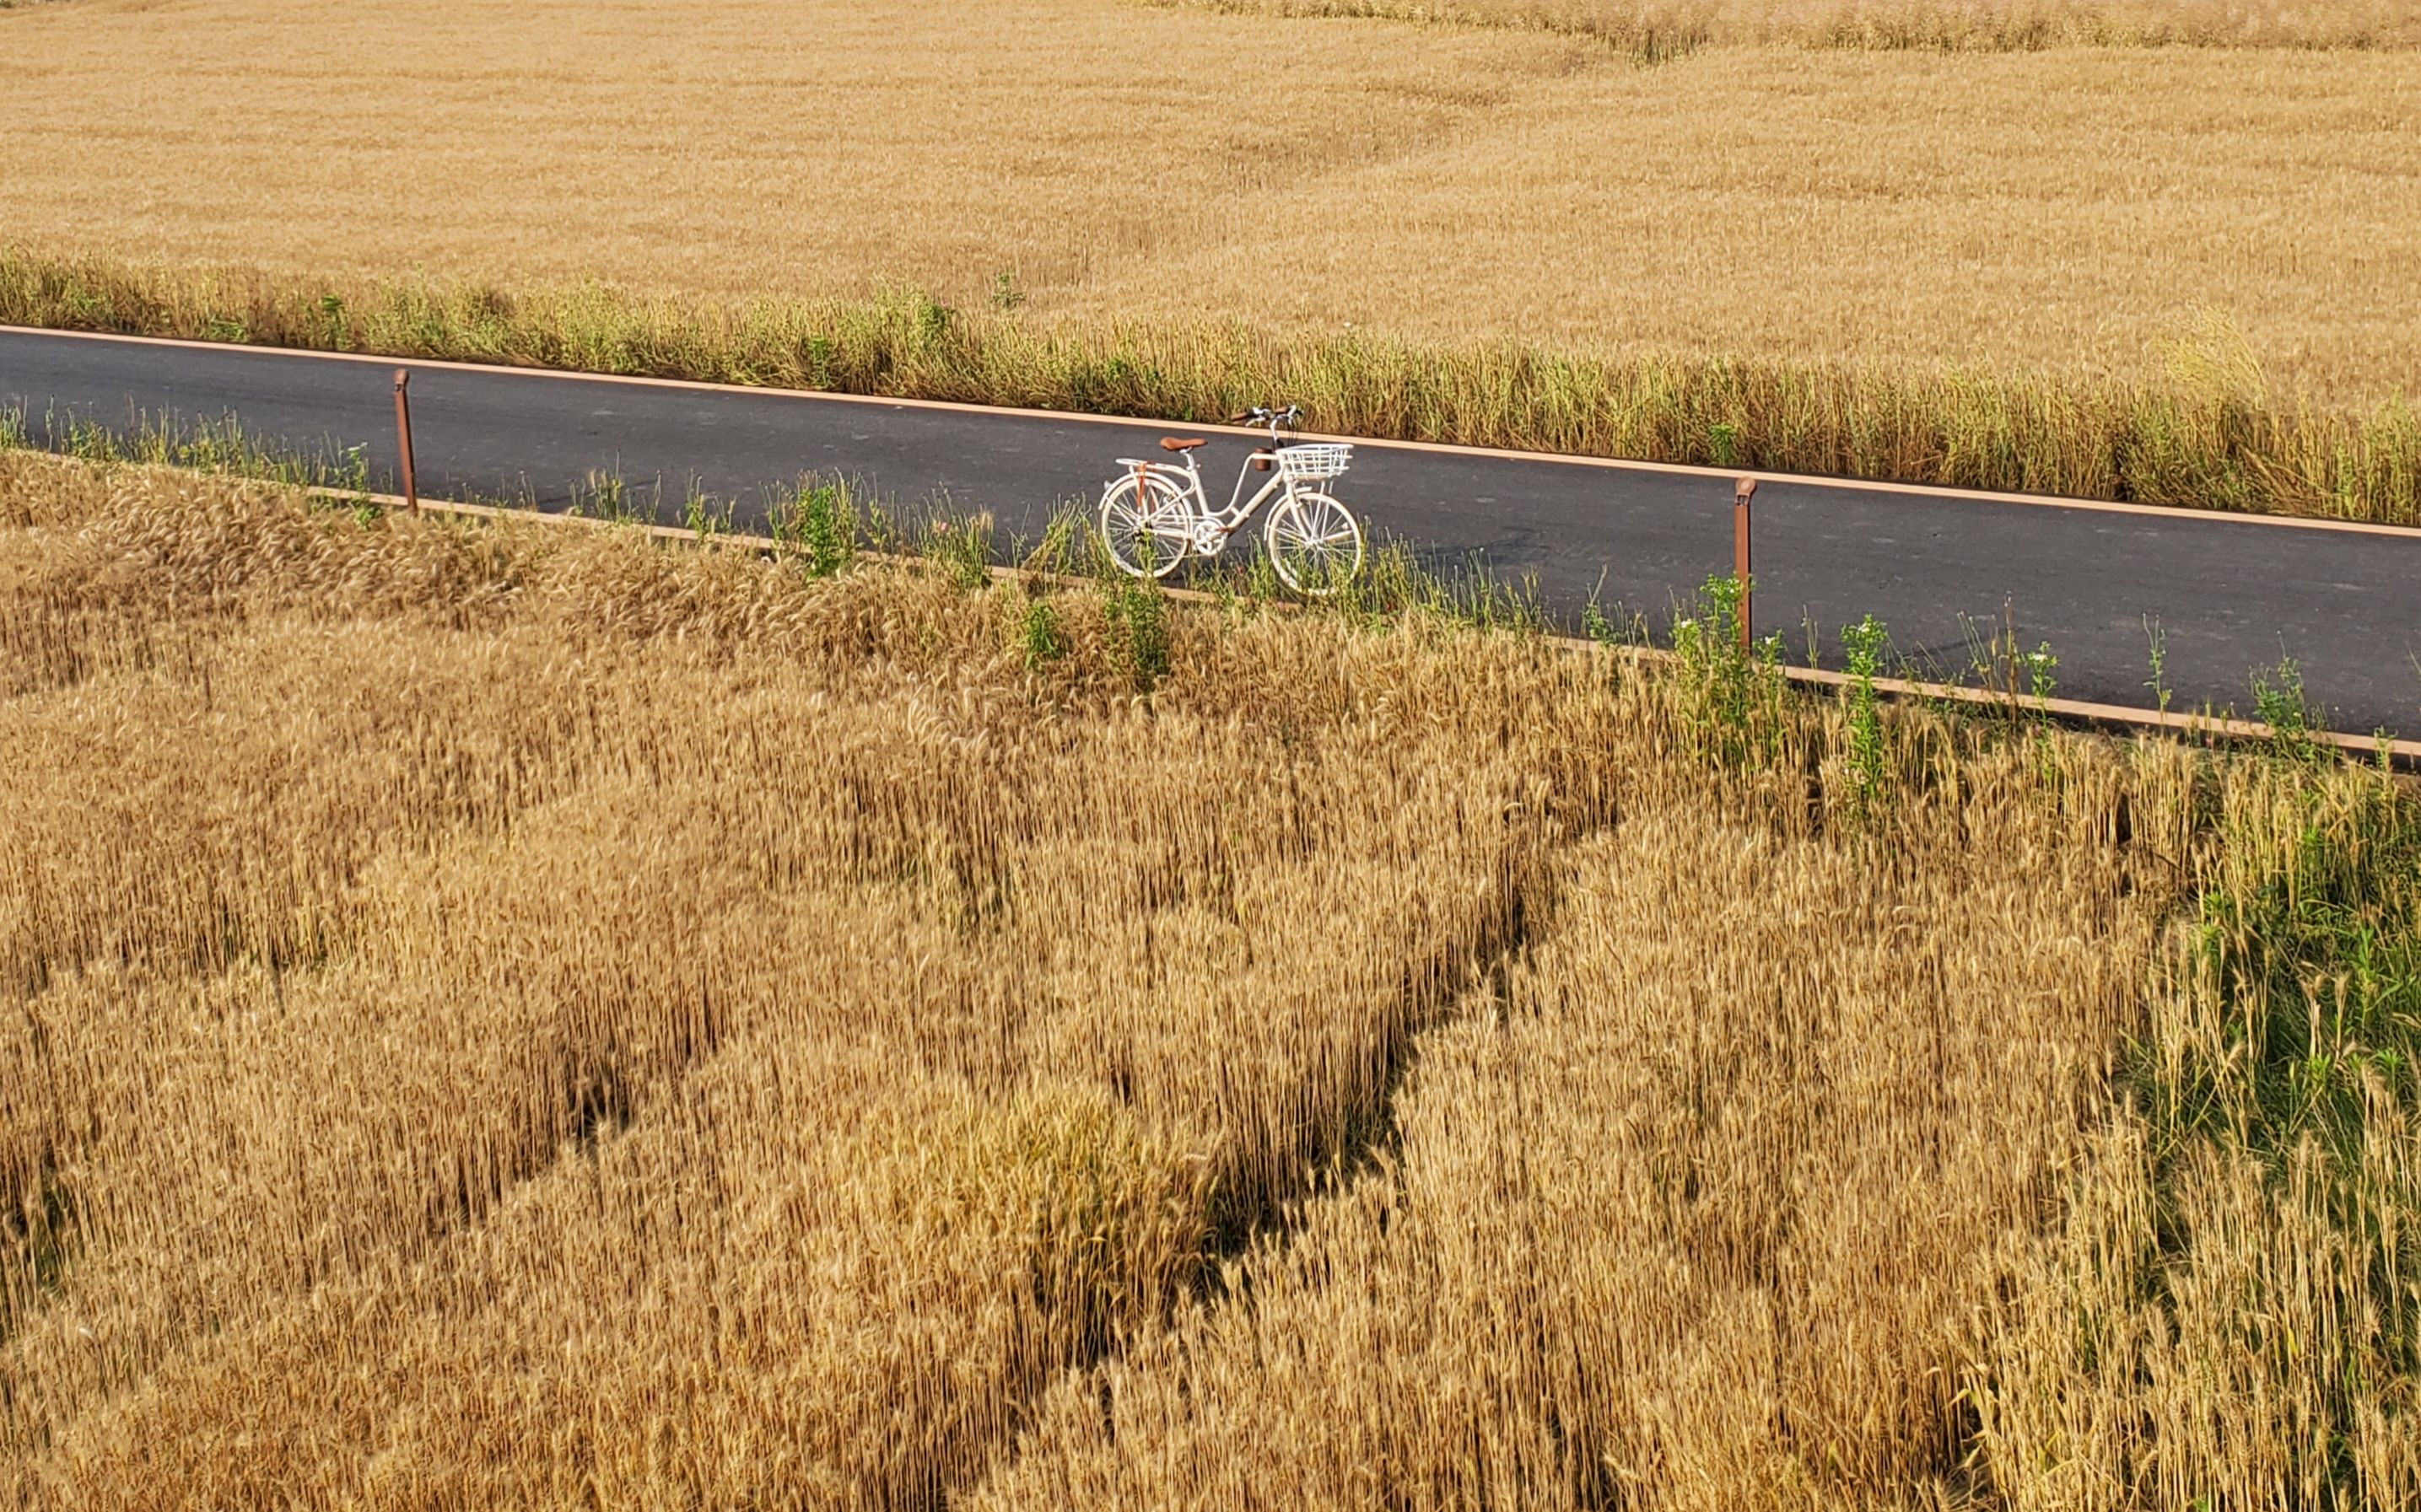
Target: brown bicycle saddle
{"points": [[1180, 443]]}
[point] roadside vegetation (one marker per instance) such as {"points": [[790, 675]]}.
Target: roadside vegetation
{"points": [[505, 1015], [2204, 436], [2020, 254]]}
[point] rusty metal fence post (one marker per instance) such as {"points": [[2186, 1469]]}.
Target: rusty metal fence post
{"points": [[403, 437], [1743, 492]]}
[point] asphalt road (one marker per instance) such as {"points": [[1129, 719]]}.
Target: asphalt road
{"points": [[2229, 596]]}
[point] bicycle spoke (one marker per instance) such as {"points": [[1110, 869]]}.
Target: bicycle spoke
{"points": [[1147, 531], [1315, 545]]}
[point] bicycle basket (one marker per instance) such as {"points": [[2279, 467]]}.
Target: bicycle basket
{"points": [[1313, 460]]}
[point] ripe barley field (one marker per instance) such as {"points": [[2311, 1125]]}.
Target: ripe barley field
{"points": [[1970, 243], [504, 1016], [1664, 28]]}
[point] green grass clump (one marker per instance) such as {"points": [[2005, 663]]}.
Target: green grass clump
{"points": [[1733, 686], [1137, 612], [820, 524]]}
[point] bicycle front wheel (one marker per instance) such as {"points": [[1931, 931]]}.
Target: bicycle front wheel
{"points": [[1314, 542], [1147, 524]]}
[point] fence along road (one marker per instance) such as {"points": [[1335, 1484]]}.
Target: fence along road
{"points": [[2231, 595]]}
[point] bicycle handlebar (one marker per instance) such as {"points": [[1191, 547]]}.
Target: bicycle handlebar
{"points": [[1261, 415]]}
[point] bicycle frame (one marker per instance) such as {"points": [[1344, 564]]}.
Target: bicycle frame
{"points": [[1232, 518]]}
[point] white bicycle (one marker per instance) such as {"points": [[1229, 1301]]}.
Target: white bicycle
{"points": [[1156, 514]]}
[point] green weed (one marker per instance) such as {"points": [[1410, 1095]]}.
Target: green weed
{"points": [[1137, 612], [819, 523], [2042, 682], [603, 495], [1863, 644], [1068, 548], [2160, 644], [962, 548], [1736, 691], [2278, 696], [1041, 639]]}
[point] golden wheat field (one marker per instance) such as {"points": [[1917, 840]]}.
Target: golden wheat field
{"points": [[1658, 28], [2017, 193], [525, 1016]]}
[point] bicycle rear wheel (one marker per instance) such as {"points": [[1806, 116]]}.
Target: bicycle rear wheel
{"points": [[1314, 542], [1149, 527]]}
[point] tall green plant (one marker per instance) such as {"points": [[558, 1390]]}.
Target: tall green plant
{"points": [[1041, 639], [819, 523], [1736, 689], [2279, 697], [1137, 614], [1863, 644]]}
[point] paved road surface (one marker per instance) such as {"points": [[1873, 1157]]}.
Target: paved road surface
{"points": [[2229, 595]]}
